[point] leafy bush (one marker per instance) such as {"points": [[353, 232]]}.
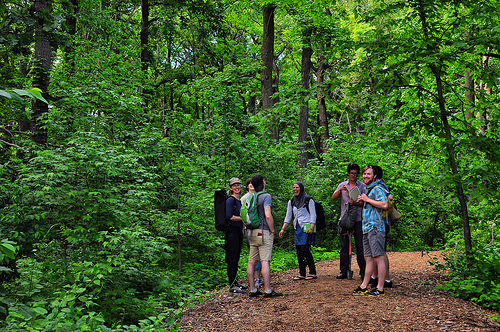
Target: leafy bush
{"points": [[475, 278], [7, 254]]}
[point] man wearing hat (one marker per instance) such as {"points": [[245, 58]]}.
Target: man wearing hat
{"points": [[234, 235]]}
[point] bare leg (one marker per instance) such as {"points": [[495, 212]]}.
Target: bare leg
{"points": [[250, 271], [387, 275], [381, 271], [386, 260], [370, 267], [266, 274], [256, 274]]}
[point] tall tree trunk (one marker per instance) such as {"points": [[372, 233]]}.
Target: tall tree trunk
{"points": [[276, 78], [484, 89], [145, 52], [171, 103], [244, 103], [321, 92], [145, 55], [24, 119], [71, 8], [267, 52], [197, 111], [469, 95], [448, 141], [41, 68], [251, 104], [451, 158], [320, 95], [305, 72], [469, 91]]}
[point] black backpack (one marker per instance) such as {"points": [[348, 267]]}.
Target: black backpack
{"points": [[320, 214], [220, 197]]}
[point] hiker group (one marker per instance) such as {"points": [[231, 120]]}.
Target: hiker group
{"points": [[366, 204], [364, 217]]}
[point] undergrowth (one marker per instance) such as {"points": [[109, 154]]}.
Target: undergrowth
{"points": [[475, 278]]}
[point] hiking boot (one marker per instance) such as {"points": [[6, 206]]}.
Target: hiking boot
{"points": [[374, 282], [388, 284], [360, 290], [255, 294], [376, 292], [236, 290], [272, 294], [341, 276]]}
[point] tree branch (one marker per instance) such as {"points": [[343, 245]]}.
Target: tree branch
{"points": [[10, 132], [493, 55], [9, 144]]}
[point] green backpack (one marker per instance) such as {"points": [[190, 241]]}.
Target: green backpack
{"points": [[249, 212]]}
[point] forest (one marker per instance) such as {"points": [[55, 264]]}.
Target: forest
{"points": [[120, 119]]}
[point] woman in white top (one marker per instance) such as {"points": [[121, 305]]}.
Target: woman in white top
{"points": [[302, 213]]}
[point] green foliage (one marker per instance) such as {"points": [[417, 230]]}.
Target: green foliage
{"points": [[17, 94], [7, 251], [7, 254], [475, 278], [283, 260], [90, 210], [113, 218]]}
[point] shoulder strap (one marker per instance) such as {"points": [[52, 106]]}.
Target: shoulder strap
{"points": [[370, 190], [307, 200], [234, 201], [257, 204], [257, 194], [374, 208]]}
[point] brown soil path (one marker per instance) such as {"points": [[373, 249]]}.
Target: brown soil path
{"points": [[327, 304]]}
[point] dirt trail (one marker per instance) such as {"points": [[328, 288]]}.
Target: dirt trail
{"points": [[327, 304]]}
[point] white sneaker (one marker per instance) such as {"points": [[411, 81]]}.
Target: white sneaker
{"points": [[236, 290], [258, 282], [242, 287]]}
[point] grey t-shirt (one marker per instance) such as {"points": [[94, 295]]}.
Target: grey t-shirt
{"points": [[263, 200]]}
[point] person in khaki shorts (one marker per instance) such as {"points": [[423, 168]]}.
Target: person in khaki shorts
{"points": [[261, 242]]}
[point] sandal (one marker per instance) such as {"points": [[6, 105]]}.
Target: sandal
{"points": [[311, 277], [299, 278]]}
